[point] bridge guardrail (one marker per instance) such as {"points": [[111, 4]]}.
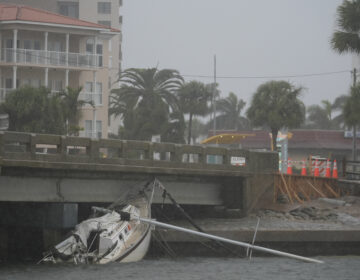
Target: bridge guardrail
{"points": [[352, 170], [69, 149]]}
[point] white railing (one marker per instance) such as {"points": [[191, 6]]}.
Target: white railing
{"points": [[3, 93], [27, 56], [95, 98]]}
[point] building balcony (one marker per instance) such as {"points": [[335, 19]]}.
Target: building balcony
{"points": [[51, 58], [91, 97]]}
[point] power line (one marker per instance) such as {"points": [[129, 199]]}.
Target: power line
{"points": [[272, 77], [64, 60]]}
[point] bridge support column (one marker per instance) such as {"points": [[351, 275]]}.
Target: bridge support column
{"points": [[3, 244]]}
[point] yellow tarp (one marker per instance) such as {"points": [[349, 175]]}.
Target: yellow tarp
{"points": [[226, 138]]}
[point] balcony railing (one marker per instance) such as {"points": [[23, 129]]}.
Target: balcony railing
{"points": [[95, 98], [3, 92], [27, 56]]}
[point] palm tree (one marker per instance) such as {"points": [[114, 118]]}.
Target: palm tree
{"points": [[194, 98], [338, 106], [347, 37], [150, 93], [322, 116], [347, 40], [275, 104], [230, 113], [71, 105], [352, 106]]}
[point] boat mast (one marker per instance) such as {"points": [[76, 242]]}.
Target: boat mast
{"points": [[239, 243]]}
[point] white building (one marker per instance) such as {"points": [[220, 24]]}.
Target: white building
{"points": [[104, 12], [56, 51]]}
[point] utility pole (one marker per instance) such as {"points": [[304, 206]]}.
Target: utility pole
{"points": [[214, 97], [354, 126]]}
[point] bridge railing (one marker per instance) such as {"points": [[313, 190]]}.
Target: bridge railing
{"points": [[54, 148], [352, 170]]}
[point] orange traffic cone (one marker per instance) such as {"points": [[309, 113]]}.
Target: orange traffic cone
{"points": [[303, 169], [335, 172], [289, 168], [316, 171], [328, 169]]}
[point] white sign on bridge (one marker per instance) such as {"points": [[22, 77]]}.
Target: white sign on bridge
{"points": [[238, 161]]}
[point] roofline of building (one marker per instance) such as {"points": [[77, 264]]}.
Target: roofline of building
{"points": [[54, 25], [109, 30]]}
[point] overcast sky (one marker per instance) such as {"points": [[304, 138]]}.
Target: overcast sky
{"points": [[249, 38]]}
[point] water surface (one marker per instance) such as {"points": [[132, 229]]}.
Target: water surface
{"points": [[193, 268]]}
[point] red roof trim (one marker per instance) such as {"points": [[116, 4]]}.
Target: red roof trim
{"points": [[30, 14]]}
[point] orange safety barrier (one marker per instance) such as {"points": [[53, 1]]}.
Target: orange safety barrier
{"points": [[303, 169], [316, 171], [335, 171], [328, 169], [289, 168]]}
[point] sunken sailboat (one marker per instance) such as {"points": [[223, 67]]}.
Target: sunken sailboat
{"points": [[110, 234]]}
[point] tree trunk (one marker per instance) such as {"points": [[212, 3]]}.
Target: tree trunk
{"points": [[274, 134], [354, 158], [190, 127]]}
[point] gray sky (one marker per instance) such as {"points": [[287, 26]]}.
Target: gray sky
{"points": [[249, 38]]}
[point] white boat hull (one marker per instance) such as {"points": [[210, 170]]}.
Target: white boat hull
{"points": [[140, 251]]}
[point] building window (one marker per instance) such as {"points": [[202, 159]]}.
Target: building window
{"points": [[98, 129], [68, 8], [89, 129], [105, 22], [90, 46], [91, 95], [104, 7], [120, 19]]}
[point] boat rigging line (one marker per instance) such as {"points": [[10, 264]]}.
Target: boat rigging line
{"points": [[190, 220]]}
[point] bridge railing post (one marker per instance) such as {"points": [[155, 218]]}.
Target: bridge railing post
{"points": [[177, 154], [2, 143], [94, 151], [32, 146], [149, 154], [202, 156], [227, 157], [61, 148], [124, 149]]}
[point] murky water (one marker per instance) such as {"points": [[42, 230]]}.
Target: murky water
{"points": [[193, 268]]}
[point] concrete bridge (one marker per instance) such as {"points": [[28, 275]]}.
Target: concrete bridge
{"points": [[51, 168]]}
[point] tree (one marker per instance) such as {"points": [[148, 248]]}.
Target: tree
{"points": [[34, 110], [321, 117], [194, 98], [145, 99], [198, 128], [346, 39], [71, 106], [230, 113], [352, 107], [347, 36], [275, 104], [173, 130]]}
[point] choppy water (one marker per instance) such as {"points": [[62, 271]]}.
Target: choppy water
{"points": [[342, 268]]}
